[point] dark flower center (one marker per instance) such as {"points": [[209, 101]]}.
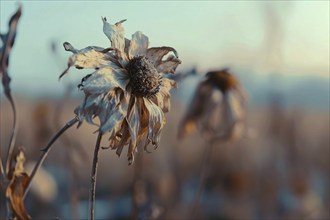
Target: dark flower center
{"points": [[144, 78]]}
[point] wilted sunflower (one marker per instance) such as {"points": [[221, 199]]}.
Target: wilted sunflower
{"points": [[129, 91], [217, 108]]}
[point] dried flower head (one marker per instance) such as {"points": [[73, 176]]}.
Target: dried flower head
{"points": [[128, 92], [217, 108]]}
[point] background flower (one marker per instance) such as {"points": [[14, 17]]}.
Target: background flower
{"points": [[217, 108]]}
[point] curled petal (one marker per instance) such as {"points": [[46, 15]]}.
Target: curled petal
{"points": [[169, 65], [162, 98], [105, 79], [115, 33], [138, 45], [156, 121], [111, 109], [68, 47], [156, 55], [122, 141], [87, 110], [90, 58]]}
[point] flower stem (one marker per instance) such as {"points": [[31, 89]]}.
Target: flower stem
{"points": [[93, 177], [2, 170], [46, 150], [206, 161], [136, 192], [13, 134]]}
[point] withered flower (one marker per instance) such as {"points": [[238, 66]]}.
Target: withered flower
{"points": [[217, 107], [18, 183], [129, 91]]}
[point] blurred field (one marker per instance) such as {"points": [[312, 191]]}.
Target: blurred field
{"points": [[280, 171]]}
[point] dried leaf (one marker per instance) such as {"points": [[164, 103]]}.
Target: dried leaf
{"points": [[17, 187], [15, 194], [8, 40]]}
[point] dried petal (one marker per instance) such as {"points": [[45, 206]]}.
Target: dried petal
{"points": [[125, 135], [169, 65], [196, 109], [138, 45], [90, 58], [115, 33], [133, 121], [113, 114], [156, 55], [162, 98], [105, 79], [111, 108], [127, 45], [156, 121]]}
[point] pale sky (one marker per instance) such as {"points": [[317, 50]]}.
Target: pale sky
{"points": [[287, 36]]}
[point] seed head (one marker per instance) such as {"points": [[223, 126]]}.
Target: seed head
{"points": [[144, 78]]}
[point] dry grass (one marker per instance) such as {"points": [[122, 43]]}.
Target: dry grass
{"points": [[273, 174]]}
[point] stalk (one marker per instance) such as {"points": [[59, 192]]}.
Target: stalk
{"points": [[46, 150], [93, 177], [12, 136], [206, 161]]}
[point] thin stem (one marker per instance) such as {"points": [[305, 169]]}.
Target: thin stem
{"points": [[46, 150], [136, 207], [206, 161], [69, 150], [2, 184], [93, 177], [3, 176], [13, 135]]}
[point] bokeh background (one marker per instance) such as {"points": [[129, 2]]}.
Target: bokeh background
{"points": [[279, 50]]}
